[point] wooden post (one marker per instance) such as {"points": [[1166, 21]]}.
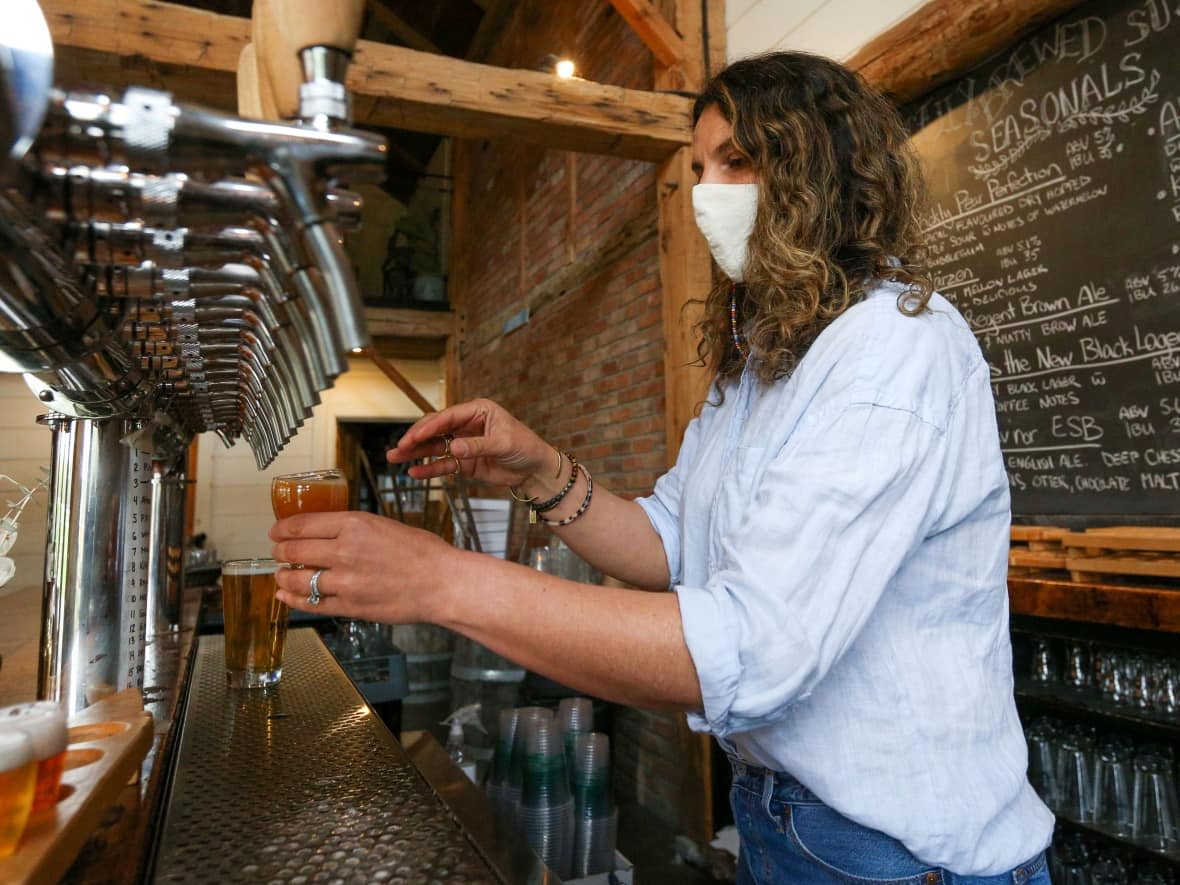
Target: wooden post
{"points": [[461, 160], [685, 274]]}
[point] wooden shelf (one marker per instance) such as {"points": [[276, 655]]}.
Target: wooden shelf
{"points": [[1121, 605], [1056, 702]]}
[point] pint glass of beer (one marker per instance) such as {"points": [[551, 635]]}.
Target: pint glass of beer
{"points": [[18, 781], [314, 491], [255, 623]]}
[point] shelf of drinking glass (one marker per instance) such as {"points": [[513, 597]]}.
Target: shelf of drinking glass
{"points": [[1122, 842], [1062, 700]]}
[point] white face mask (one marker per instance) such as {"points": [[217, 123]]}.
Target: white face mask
{"points": [[725, 214]]}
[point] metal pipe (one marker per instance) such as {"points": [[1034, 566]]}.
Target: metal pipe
{"points": [[94, 604]]}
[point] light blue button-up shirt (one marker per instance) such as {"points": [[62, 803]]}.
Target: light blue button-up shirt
{"points": [[838, 543]]}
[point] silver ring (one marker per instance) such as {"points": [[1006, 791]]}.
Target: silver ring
{"points": [[314, 597]]}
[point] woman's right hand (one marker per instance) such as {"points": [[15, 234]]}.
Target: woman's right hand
{"points": [[487, 444]]}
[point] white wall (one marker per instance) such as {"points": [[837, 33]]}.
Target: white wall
{"points": [[835, 28], [233, 495]]}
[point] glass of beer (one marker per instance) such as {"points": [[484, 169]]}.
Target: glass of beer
{"points": [[255, 623], [45, 724], [18, 781], [313, 491]]}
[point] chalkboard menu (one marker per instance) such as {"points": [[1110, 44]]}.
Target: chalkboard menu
{"points": [[1054, 227]]}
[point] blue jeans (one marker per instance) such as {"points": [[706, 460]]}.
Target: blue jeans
{"points": [[789, 837]]}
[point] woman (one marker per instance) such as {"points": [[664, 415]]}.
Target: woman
{"points": [[834, 530]]}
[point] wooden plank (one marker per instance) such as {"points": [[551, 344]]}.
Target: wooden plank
{"points": [[1161, 538], [944, 39], [1028, 533], [653, 29], [404, 323], [1141, 608], [1153, 565], [1036, 559], [403, 88], [445, 96]]}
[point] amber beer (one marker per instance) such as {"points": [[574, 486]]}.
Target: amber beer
{"points": [[18, 782], [255, 623], [315, 491]]}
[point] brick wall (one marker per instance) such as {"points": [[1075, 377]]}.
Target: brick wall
{"points": [[586, 371]]}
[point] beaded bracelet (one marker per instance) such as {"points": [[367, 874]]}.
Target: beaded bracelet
{"points": [[557, 523], [560, 496]]}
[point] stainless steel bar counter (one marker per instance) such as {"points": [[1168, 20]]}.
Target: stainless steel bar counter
{"points": [[303, 783]]}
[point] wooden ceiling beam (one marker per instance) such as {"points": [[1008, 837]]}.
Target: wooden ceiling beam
{"points": [[946, 38], [393, 322], [403, 88], [653, 29]]}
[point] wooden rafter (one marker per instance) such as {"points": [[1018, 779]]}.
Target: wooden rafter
{"points": [[402, 88], [403, 383], [653, 29], [399, 27], [496, 15], [946, 38]]}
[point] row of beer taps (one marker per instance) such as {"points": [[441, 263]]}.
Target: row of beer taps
{"points": [[164, 258]]}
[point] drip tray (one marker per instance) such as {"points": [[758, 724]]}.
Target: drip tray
{"points": [[303, 783]]}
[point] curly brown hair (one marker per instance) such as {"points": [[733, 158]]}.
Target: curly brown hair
{"points": [[840, 193]]}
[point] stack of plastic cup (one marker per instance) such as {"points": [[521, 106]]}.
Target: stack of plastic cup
{"points": [[596, 820], [18, 781], [497, 783], [575, 716], [546, 806], [511, 791], [45, 724]]}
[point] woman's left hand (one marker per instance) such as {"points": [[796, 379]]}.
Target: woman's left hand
{"points": [[371, 568]]}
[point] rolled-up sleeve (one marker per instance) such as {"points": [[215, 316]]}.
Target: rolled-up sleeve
{"points": [[830, 519], [663, 505]]}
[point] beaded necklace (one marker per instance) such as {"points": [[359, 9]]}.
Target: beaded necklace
{"points": [[733, 325]]}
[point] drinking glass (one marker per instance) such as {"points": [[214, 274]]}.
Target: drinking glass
{"points": [[312, 491], [18, 782], [1154, 821], [45, 724], [1044, 662], [255, 623], [1076, 671], [1042, 759], [1075, 771], [1166, 698], [1112, 788]]}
